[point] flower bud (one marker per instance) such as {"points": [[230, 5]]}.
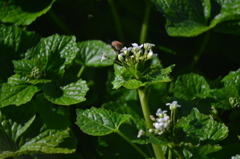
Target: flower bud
{"points": [[120, 57]]}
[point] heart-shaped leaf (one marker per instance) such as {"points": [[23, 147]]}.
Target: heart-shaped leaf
{"points": [[69, 94], [91, 53], [99, 122], [50, 56]]}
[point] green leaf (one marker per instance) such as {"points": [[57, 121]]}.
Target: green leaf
{"points": [[198, 127], [69, 94], [227, 151], [14, 122], [125, 77], [13, 42], [226, 98], [132, 84], [91, 52], [125, 107], [23, 12], [191, 86], [31, 71], [36, 139], [191, 18], [118, 80], [16, 91], [99, 122], [51, 55], [49, 144], [158, 76], [54, 116], [153, 139], [199, 151], [233, 78]]}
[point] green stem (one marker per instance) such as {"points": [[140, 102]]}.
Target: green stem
{"points": [[198, 55], [145, 23], [169, 154], [173, 119], [131, 143], [146, 113], [116, 19], [81, 71]]}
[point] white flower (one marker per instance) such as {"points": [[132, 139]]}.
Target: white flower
{"points": [[158, 126], [125, 51], [174, 105], [161, 113], [140, 133], [135, 45], [104, 57], [148, 46], [164, 119], [162, 123], [120, 57], [151, 54], [136, 48]]}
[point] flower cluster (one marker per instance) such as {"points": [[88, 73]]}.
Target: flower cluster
{"points": [[161, 123], [135, 56], [37, 73]]}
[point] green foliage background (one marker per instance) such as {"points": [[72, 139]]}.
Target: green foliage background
{"points": [[201, 39]]}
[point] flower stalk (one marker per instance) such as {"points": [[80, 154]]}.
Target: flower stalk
{"points": [[146, 112]]}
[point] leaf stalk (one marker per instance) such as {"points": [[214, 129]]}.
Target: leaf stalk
{"points": [[131, 143]]}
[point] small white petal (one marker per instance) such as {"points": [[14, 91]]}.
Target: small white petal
{"points": [[134, 44], [104, 57], [140, 133]]}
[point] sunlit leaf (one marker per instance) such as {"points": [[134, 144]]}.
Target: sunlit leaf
{"points": [[99, 122], [17, 91], [52, 54], [69, 94], [91, 52]]}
